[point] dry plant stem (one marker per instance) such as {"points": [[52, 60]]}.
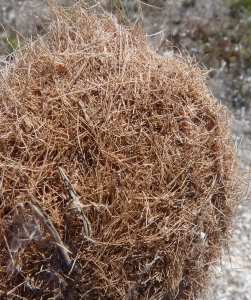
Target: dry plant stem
{"points": [[40, 213], [76, 205], [54, 234]]}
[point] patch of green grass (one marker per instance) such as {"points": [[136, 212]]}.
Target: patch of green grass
{"points": [[237, 7], [12, 43], [241, 3]]}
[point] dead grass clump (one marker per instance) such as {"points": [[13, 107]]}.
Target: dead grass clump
{"points": [[118, 172]]}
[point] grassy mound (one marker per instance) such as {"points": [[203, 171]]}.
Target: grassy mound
{"points": [[117, 169]]}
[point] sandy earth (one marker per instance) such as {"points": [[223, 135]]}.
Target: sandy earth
{"points": [[233, 279]]}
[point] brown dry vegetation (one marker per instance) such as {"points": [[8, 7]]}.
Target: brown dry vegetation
{"points": [[143, 143]]}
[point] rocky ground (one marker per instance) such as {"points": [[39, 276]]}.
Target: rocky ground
{"points": [[185, 23]]}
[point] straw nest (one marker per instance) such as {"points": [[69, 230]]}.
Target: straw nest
{"points": [[118, 172]]}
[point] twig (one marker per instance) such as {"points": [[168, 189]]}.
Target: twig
{"points": [[40, 213], [54, 234], [76, 205]]}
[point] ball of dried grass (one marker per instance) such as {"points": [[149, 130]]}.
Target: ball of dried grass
{"points": [[142, 141]]}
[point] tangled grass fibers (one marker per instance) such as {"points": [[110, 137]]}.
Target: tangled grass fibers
{"points": [[118, 172]]}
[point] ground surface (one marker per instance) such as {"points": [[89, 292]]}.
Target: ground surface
{"points": [[188, 23]]}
